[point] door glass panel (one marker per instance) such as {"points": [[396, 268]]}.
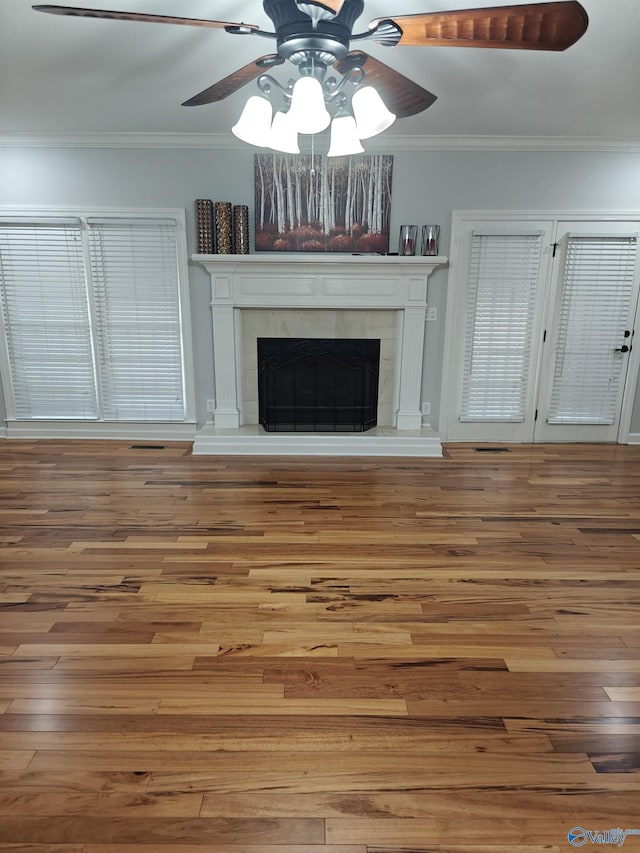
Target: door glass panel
{"points": [[503, 280], [597, 288]]}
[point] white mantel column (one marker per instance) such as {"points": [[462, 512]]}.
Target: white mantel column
{"points": [[227, 412], [410, 369]]}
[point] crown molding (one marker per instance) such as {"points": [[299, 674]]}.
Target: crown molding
{"points": [[386, 142], [117, 140], [505, 143]]}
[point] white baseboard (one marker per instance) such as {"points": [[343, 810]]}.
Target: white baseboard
{"points": [[101, 430], [634, 438]]}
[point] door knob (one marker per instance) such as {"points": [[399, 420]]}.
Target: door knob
{"points": [[623, 348]]}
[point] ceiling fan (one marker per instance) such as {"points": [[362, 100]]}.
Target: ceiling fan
{"points": [[317, 34]]}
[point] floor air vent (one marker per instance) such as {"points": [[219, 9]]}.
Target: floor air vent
{"points": [[492, 449], [148, 447]]}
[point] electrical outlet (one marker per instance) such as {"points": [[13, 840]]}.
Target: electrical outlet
{"points": [[426, 408], [432, 314], [211, 405]]}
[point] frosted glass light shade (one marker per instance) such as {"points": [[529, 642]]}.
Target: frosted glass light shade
{"points": [[254, 125], [344, 137], [308, 111], [284, 136], [370, 112]]}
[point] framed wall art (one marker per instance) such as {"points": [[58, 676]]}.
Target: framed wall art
{"points": [[315, 203]]}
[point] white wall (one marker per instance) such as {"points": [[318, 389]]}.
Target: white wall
{"points": [[427, 186]]}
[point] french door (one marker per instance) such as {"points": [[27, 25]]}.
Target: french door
{"points": [[589, 333], [539, 329]]}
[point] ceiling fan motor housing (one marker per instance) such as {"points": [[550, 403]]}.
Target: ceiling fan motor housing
{"points": [[297, 34]]}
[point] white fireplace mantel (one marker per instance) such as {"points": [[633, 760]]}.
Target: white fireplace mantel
{"points": [[316, 281], [319, 281]]}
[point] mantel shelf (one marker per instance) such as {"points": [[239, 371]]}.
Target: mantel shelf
{"points": [[320, 259]]}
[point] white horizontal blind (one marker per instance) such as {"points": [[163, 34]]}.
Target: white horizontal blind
{"points": [[596, 298], [46, 320], [134, 273], [503, 283]]}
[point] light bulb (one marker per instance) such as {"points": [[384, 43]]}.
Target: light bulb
{"points": [[284, 136], [254, 125], [370, 112], [344, 136], [308, 111]]}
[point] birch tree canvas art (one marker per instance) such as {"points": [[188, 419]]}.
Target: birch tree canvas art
{"points": [[321, 204]]}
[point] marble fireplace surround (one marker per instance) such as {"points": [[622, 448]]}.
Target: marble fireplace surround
{"points": [[338, 282]]}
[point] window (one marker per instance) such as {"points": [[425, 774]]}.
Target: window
{"points": [[92, 319]]}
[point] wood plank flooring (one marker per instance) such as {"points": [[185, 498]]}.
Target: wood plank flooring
{"points": [[317, 655]]}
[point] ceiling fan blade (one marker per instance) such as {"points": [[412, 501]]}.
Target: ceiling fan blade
{"points": [[400, 95], [223, 88], [534, 26], [138, 16]]}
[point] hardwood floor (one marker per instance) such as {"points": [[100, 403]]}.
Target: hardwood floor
{"points": [[313, 655]]}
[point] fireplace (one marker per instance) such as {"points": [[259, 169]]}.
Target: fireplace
{"points": [[320, 293], [318, 384]]}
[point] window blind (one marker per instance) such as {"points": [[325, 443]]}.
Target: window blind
{"points": [[597, 286], [135, 287], [46, 319], [503, 281]]}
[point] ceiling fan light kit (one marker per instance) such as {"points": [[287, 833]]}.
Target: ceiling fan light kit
{"points": [[307, 113], [316, 35]]}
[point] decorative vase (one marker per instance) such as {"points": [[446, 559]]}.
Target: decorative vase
{"points": [[407, 242], [223, 228], [241, 229], [204, 226], [430, 238]]}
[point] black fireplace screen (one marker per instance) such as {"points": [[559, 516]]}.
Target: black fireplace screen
{"points": [[318, 384]]}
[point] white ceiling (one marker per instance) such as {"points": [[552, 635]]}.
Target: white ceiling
{"points": [[61, 75]]}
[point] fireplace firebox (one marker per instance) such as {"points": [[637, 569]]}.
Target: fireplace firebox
{"points": [[318, 384]]}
